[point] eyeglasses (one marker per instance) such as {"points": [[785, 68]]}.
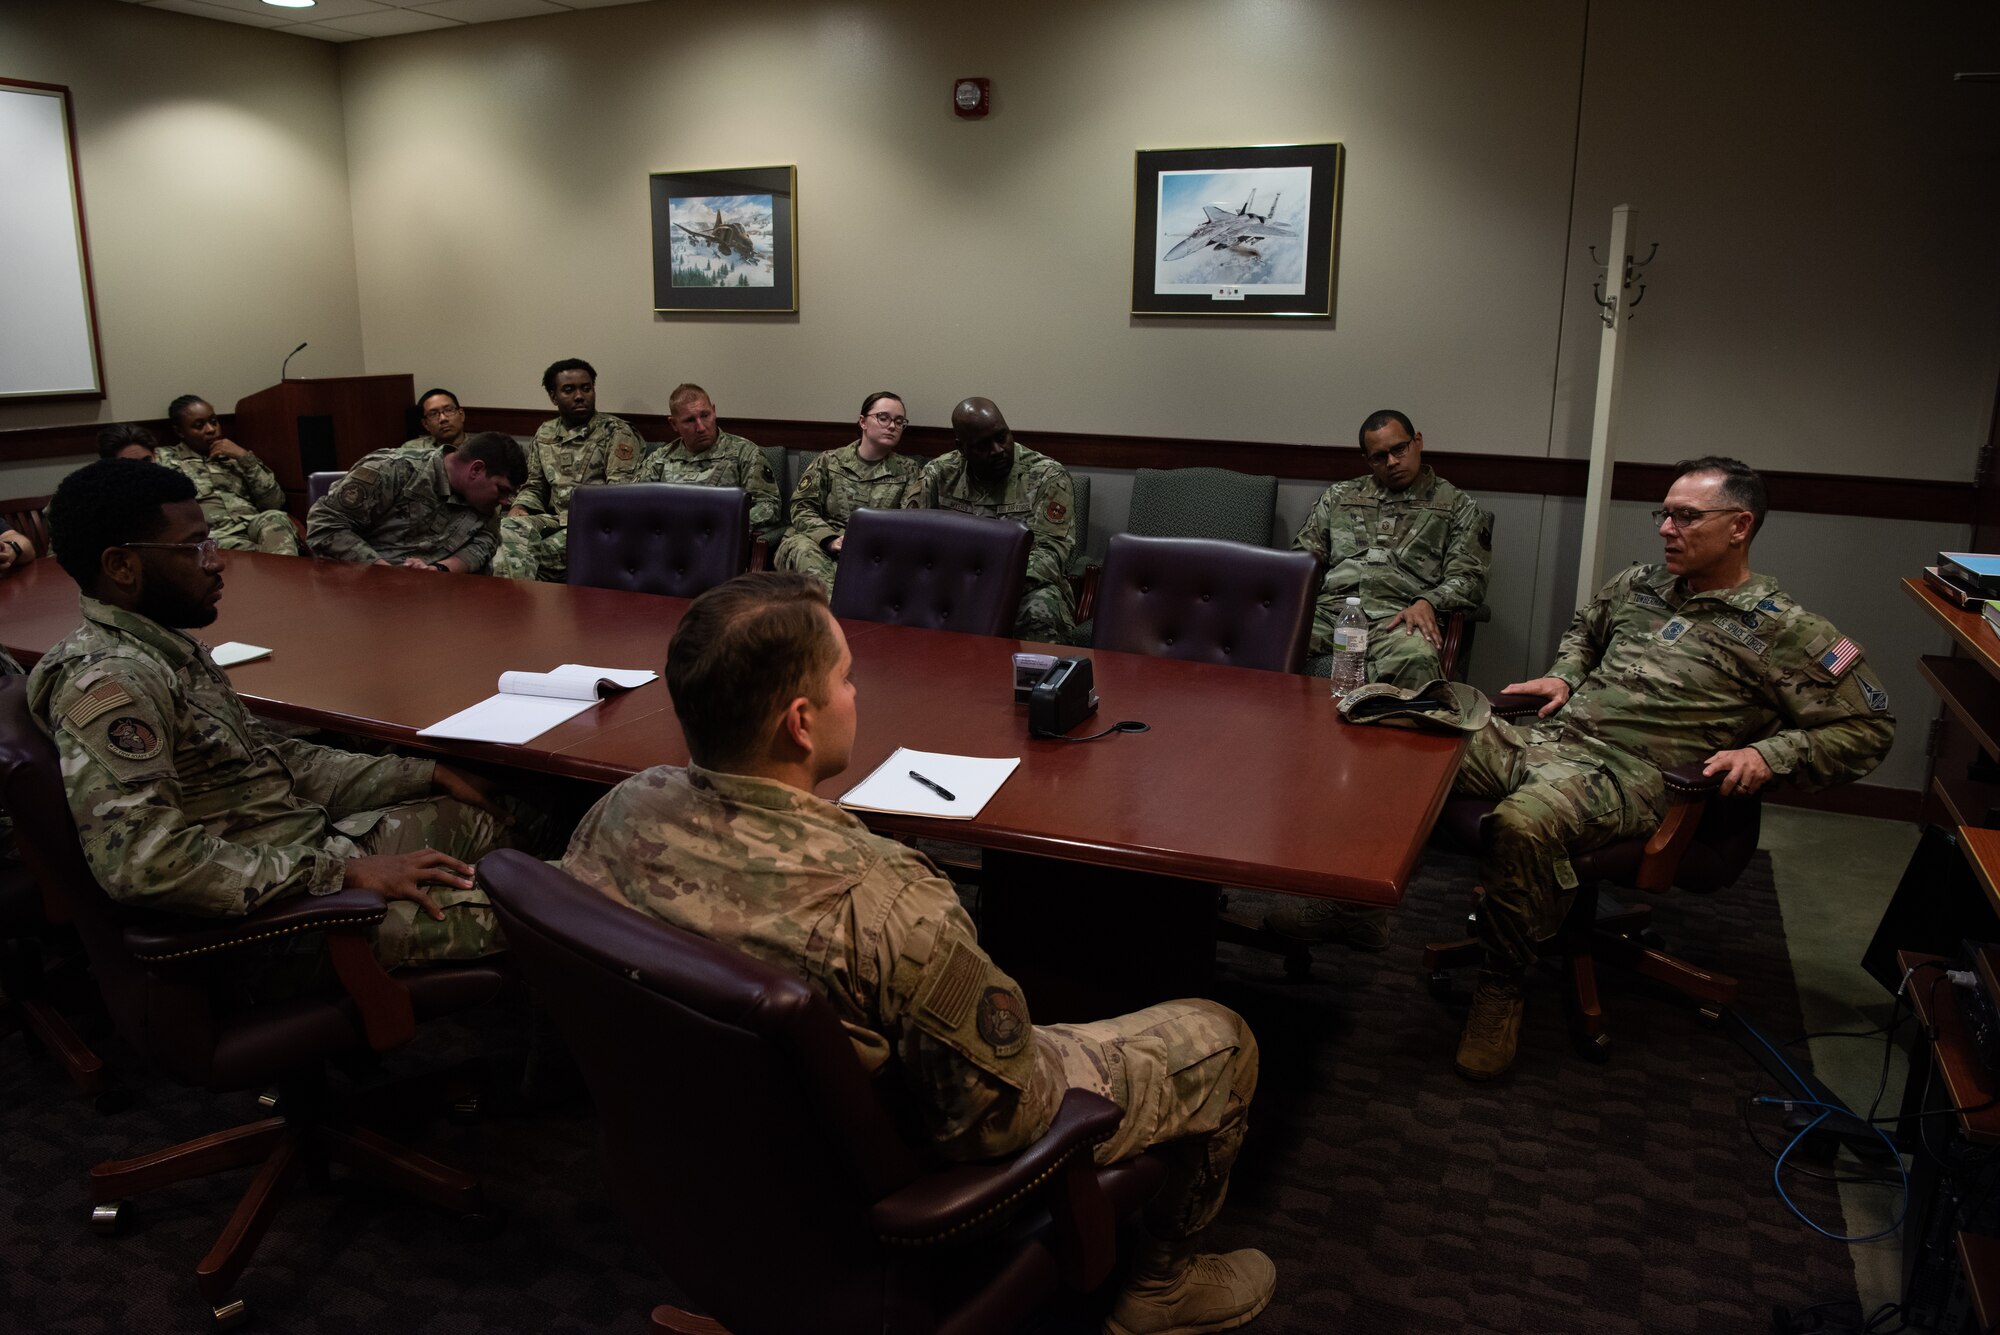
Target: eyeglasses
{"points": [[1683, 520], [1392, 452], [891, 420], [435, 413], [205, 551]]}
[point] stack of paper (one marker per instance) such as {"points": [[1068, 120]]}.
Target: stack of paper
{"points": [[530, 703], [968, 784]]}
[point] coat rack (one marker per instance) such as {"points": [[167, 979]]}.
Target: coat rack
{"points": [[1615, 310]]}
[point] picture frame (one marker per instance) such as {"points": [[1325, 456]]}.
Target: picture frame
{"points": [[725, 241], [49, 345], [1236, 231]]}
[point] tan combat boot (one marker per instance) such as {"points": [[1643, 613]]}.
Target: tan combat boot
{"points": [[1176, 1291], [1492, 1028], [1356, 926]]}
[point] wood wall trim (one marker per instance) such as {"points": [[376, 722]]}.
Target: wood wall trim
{"points": [[1799, 493], [1857, 799]]}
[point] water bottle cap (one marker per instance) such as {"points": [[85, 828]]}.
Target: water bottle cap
{"points": [[1354, 602]]}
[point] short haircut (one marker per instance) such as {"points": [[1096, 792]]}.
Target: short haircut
{"points": [[181, 405], [684, 394], [120, 434], [502, 455], [868, 404], [1742, 485], [745, 650], [557, 368], [107, 504], [1380, 418], [433, 393]]}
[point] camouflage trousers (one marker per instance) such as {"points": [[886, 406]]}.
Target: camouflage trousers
{"points": [[532, 547], [1400, 657], [1559, 795], [800, 553], [265, 531], [1184, 1072], [408, 935], [1048, 613]]}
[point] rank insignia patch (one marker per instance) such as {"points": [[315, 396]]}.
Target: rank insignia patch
{"points": [[1673, 630]]}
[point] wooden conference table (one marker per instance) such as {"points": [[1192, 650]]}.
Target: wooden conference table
{"points": [[1246, 778]]}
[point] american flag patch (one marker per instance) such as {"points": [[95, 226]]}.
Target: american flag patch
{"points": [[1841, 657]]}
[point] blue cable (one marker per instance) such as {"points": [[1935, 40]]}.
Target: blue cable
{"points": [[1778, 1169]]}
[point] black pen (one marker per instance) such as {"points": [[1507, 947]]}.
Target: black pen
{"points": [[933, 786]]}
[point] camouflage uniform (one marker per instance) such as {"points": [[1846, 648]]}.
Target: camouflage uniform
{"points": [[1660, 678], [421, 446], [1036, 495], [836, 484], [186, 803], [801, 884], [731, 462], [240, 498], [394, 505], [535, 544], [1390, 548]]}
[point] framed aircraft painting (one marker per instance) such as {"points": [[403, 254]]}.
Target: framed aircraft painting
{"points": [[726, 241], [1236, 231]]}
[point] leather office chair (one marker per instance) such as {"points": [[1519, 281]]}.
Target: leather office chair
{"points": [[761, 1164], [156, 973], [1206, 600], [1216, 503], [658, 537], [932, 568], [1701, 846], [25, 917], [319, 484], [28, 516]]}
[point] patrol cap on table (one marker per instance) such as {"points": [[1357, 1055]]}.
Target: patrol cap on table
{"points": [[1435, 706]]}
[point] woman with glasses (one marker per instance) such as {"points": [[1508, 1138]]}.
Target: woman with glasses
{"points": [[868, 472]]}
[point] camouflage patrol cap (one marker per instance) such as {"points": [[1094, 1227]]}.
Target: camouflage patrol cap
{"points": [[1435, 706]]}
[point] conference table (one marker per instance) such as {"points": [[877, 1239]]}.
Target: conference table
{"points": [[1244, 778]]}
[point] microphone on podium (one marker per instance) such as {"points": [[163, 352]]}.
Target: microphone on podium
{"points": [[288, 359]]}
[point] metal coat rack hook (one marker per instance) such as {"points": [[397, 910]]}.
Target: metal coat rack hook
{"points": [[1632, 266]]}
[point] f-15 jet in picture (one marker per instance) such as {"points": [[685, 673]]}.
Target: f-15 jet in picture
{"points": [[1239, 231]]}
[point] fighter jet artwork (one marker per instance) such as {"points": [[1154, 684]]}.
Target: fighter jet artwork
{"points": [[1238, 232], [727, 238]]}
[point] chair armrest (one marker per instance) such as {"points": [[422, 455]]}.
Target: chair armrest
{"points": [[387, 1016], [1684, 781], [1517, 704], [956, 1203], [1086, 592], [760, 554], [159, 938]]}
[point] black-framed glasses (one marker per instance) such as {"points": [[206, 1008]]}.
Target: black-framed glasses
{"points": [[1684, 519], [890, 419], [205, 551], [1395, 452], [436, 413]]}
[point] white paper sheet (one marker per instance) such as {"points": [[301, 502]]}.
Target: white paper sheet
{"points": [[510, 719], [971, 781]]}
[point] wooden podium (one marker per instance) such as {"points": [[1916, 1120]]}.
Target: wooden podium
{"points": [[311, 426]]}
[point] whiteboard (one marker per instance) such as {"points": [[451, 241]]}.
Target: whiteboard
{"points": [[48, 333]]}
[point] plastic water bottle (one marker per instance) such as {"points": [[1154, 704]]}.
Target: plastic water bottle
{"points": [[1350, 649]]}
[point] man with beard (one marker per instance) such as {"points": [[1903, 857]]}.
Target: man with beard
{"points": [[186, 803], [580, 445], [993, 476]]}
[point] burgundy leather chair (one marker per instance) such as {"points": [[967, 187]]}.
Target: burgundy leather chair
{"points": [[1701, 846], [26, 917], [761, 1165], [1207, 600], [932, 568], [158, 974], [658, 537], [319, 484]]}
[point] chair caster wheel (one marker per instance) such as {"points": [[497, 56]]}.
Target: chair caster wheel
{"points": [[1594, 1048], [1710, 1015], [464, 1112], [231, 1314], [1299, 966], [108, 1220], [1650, 938], [1440, 985], [268, 1100]]}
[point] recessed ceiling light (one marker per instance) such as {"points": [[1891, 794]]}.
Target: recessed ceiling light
{"points": [[292, 4]]}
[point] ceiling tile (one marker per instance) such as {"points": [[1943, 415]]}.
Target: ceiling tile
{"points": [[487, 11], [325, 32], [270, 18], [394, 23]]}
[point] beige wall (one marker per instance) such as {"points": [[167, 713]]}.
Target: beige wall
{"points": [[215, 193]]}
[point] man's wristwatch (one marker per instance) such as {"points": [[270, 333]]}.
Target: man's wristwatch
{"points": [[439, 565]]}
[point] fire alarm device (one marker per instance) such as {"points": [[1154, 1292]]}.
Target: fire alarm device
{"points": [[972, 98]]}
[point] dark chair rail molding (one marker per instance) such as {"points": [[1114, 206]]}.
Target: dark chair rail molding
{"points": [[1801, 493]]}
